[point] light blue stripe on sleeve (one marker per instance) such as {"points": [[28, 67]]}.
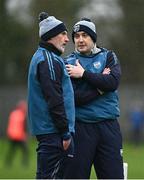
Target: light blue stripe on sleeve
{"points": [[51, 68]]}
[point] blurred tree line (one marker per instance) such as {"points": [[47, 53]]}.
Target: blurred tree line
{"points": [[19, 40]]}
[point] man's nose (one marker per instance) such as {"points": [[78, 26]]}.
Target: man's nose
{"points": [[67, 39], [80, 38]]}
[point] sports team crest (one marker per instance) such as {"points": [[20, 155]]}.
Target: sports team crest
{"points": [[76, 28], [97, 65]]}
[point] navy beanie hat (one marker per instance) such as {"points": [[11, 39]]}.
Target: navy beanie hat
{"points": [[49, 26], [87, 26]]}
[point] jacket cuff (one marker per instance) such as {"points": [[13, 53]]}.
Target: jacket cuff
{"points": [[84, 74], [66, 136]]}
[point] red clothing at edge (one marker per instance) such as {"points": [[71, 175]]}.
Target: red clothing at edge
{"points": [[16, 125]]}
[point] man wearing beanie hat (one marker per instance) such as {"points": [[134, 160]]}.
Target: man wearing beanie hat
{"points": [[51, 109], [95, 73]]}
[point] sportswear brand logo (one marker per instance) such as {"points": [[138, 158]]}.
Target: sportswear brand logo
{"points": [[70, 155], [121, 152], [76, 28]]}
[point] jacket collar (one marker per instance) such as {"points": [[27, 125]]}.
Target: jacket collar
{"points": [[49, 47]]}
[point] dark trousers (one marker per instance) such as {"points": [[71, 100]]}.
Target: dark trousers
{"points": [[51, 156], [98, 144]]}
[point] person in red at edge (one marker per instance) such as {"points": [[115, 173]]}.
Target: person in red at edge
{"points": [[16, 133]]}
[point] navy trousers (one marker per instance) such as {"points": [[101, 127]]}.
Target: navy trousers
{"points": [[50, 156], [98, 144]]}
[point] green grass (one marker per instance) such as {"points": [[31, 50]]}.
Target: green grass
{"points": [[17, 170], [133, 155]]}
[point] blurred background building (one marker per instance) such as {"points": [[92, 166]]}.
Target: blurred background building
{"points": [[119, 25]]}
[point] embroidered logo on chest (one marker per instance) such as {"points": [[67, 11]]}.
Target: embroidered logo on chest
{"points": [[97, 65]]}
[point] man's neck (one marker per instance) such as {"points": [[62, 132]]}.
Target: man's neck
{"points": [[49, 47]]}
